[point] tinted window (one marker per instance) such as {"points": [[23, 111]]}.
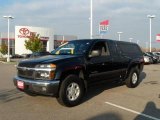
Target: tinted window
{"points": [[73, 47], [113, 49], [129, 49]]}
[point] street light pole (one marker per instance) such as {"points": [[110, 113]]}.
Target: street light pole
{"points": [[137, 41], [150, 29], [146, 46], [119, 35], [8, 19], [130, 39], [91, 18]]}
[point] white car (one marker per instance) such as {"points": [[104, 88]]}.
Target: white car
{"points": [[5, 56], [147, 60]]}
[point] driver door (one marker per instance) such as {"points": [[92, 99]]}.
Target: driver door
{"points": [[99, 66]]}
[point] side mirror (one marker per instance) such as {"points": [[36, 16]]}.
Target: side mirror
{"points": [[94, 53]]}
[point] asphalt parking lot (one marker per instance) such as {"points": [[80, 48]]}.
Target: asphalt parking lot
{"points": [[102, 102]]}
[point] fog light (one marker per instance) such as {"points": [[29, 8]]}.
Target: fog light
{"points": [[44, 89]]}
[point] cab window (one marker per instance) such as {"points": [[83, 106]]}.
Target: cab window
{"points": [[101, 48]]}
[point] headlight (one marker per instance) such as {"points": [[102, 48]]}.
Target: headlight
{"points": [[45, 66], [45, 71]]}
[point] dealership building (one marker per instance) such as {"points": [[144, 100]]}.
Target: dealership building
{"points": [[22, 33]]}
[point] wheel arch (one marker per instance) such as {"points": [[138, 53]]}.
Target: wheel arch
{"points": [[80, 72], [131, 66]]}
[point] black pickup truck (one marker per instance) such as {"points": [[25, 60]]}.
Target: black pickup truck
{"points": [[76, 64]]}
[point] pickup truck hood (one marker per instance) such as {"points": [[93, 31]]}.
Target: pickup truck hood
{"points": [[46, 59]]}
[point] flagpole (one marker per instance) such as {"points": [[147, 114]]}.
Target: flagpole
{"points": [[91, 18]]}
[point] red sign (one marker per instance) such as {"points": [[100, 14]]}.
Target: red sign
{"points": [[158, 37], [105, 22], [24, 33], [103, 26]]}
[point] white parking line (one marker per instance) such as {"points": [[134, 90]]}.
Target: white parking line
{"points": [[133, 111]]}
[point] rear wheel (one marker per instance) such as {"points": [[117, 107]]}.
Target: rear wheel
{"points": [[133, 78], [71, 91]]}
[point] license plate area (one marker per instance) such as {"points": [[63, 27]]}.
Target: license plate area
{"points": [[20, 84]]}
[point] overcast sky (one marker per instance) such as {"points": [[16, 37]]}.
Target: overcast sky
{"points": [[71, 17]]}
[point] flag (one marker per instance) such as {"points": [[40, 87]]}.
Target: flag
{"points": [[158, 38], [103, 26], [105, 22]]}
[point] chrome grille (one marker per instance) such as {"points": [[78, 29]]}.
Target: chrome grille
{"points": [[26, 73]]}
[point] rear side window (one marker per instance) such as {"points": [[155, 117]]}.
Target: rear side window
{"points": [[113, 49], [129, 49]]}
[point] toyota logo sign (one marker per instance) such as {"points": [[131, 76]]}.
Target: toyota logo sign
{"points": [[24, 31]]}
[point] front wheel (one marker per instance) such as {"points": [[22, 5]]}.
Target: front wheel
{"points": [[71, 91], [133, 78]]}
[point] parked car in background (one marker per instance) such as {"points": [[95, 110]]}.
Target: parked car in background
{"points": [[147, 59], [157, 54], [5, 56], [26, 55], [17, 56], [39, 54], [154, 58]]}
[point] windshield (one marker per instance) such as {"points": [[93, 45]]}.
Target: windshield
{"points": [[77, 47]]}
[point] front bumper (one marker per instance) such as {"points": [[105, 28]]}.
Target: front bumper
{"points": [[39, 86]]}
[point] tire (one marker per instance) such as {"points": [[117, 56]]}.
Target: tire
{"points": [[133, 78], [71, 91]]}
